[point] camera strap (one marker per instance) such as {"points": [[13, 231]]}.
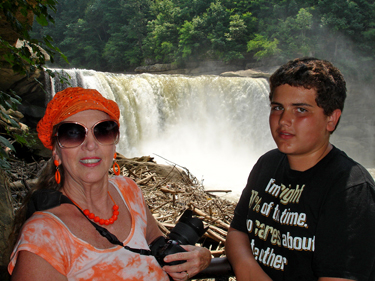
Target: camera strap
{"points": [[44, 199], [110, 236]]}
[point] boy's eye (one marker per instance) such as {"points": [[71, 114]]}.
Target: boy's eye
{"points": [[276, 107], [301, 110]]}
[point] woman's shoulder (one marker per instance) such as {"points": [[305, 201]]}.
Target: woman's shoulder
{"points": [[125, 184], [123, 181], [43, 218], [128, 188], [43, 228]]}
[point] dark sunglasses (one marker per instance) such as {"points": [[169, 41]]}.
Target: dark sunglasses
{"points": [[73, 134]]}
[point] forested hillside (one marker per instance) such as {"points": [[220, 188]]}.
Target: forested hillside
{"points": [[118, 35]]}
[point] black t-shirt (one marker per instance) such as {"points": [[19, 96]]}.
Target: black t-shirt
{"points": [[311, 224]]}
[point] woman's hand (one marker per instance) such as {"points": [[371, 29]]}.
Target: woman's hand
{"points": [[197, 259]]}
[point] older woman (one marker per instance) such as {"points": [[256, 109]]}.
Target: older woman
{"points": [[81, 128]]}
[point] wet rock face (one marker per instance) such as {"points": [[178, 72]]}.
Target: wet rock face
{"points": [[30, 90], [34, 98]]}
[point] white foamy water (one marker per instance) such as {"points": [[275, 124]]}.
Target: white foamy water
{"points": [[216, 127]]}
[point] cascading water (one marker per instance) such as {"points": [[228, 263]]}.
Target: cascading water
{"points": [[216, 127]]}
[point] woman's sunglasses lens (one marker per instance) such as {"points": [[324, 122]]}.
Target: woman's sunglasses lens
{"points": [[71, 135], [106, 132]]}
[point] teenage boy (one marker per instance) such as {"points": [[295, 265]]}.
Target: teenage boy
{"points": [[308, 210]]}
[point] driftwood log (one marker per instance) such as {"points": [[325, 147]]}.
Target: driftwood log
{"points": [[170, 189]]}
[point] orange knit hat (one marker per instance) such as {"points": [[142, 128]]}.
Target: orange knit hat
{"points": [[69, 102]]}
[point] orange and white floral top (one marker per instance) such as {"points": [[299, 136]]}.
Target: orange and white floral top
{"points": [[46, 235]]}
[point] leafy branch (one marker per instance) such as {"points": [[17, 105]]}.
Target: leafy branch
{"points": [[24, 59]]}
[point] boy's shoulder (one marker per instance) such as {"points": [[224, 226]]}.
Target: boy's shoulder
{"points": [[273, 153], [270, 160], [347, 167], [271, 156], [335, 164]]}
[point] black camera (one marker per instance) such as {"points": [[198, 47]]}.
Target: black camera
{"points": [[187, 231]]}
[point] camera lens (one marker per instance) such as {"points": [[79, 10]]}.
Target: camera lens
{"points": [[188, 229]]}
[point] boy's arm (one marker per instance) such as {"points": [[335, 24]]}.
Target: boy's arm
{"points": [[246, 268], [238, 251]]}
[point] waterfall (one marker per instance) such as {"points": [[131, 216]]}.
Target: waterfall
{"points": [[215, 126]]}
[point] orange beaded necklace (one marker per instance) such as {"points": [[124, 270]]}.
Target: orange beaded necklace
{"points": [[99, 220]]}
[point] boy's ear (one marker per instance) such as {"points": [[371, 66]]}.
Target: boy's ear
{"points": [[333, 119]]}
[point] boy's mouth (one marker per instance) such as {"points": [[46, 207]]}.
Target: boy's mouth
{"points": [[285, 135]]}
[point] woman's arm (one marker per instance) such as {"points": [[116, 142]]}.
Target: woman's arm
{"points": [[31, 267], [240, 256], [153, 231]]}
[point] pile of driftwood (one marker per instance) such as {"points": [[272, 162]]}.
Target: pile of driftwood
{"points": [[171, 189], [168, 191]]}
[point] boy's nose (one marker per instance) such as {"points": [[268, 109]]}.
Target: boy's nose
{"points": [[286, 118]]}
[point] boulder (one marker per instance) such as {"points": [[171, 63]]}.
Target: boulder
{"points": [[247, 73], [156, 68], [208, 67]]}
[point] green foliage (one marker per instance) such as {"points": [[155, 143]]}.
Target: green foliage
{"points": [[263, 47], [237, 35], [216, 24], [9, 103], [161, 42], [237, 28], [23, 60], [116, 35], [191, 37], [294, 35]]}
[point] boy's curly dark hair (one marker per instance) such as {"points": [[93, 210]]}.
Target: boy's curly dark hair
{"points": [[312, 73]]}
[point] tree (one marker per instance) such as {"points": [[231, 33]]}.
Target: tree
{"points": [[191, 38], [216, 21], [25, 60], [16, 13], [295, 35], [290, 37], [204, 36], [125, 46], [237, 36], [85, 38], [66, 14], [264, 48], [114, 35], [161, 42]]}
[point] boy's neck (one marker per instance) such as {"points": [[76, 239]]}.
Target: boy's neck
{"points": [[304, 162]]}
